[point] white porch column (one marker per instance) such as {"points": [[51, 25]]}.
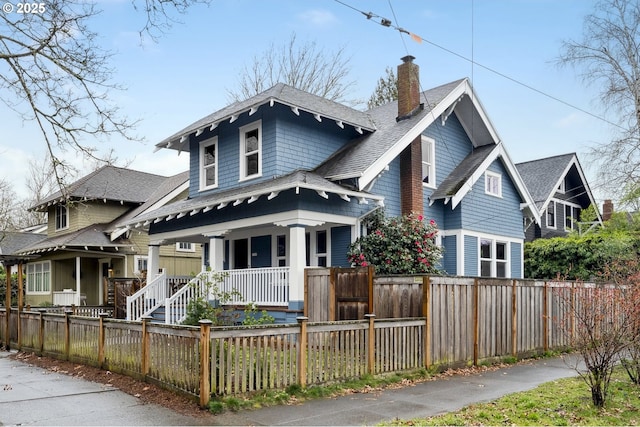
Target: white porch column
{"points": [[78, 297], [153, 261], [216, 253], [297, 262]]}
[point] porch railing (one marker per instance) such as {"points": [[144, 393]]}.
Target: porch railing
{"points": [[262, 286], [148, 298]]}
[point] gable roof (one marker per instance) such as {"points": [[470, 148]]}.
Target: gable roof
{"points": [[368, 156], [283, 94], [107, 183], [543, 176]]}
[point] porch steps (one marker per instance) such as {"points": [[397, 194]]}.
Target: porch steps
{"points": [[159, 314]]}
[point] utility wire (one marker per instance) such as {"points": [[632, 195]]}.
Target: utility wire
{"points": [[389, 24]]}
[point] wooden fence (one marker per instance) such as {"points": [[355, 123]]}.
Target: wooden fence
{"points": [[461, 321]]}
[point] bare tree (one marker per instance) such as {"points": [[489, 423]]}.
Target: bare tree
{"points": [[8, 206], [608, 57], [306, 67], [54, 72], [386, 90]]}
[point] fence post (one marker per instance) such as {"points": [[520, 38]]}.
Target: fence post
{"points": [[205, 363], [332, 294], [476, 332], [7, 305], [101, 339], [302, 351], [41, 331], [426, 312], [19, 328], [514, 319], [67, 332], [370, 276], [371, 344], [145, 346], [545, 317]]}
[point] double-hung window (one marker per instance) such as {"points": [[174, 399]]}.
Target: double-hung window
{"points": [[571, 215], [428, 162], [251, 150], [493, 183], [493, 258], [140, 263], [209, 164], [62, 217], [39, 277], [551, 214]]}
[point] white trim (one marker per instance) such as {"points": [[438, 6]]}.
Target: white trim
{"points": [[66, 215], [215, 165], [136, 259], [555, 215], [289, 217], [493, 259], [243, 130], [50, 281], [191, 248], [432, 165]]}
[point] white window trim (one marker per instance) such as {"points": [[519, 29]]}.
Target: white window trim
{"points": [[431, 144], [487, 177], [66, 209], [243, 164], [191, 248], [136, 259], [203, 181], [555, 215], [313, 254], [274, 249], [562, 187], [45, 285], [573, 207], [494, 261]]}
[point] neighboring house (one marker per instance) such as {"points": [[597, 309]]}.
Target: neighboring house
{"points": [[282, 181], [560, 190], [83, 245]]}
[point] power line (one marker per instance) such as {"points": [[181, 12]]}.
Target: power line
{"points": [[389, 24]]}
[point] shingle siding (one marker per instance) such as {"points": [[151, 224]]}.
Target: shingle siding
{"points": [[340, 241]]}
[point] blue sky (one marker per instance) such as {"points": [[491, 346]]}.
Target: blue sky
{"points": [[187, 73]]}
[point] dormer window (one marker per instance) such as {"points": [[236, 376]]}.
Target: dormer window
{"points": [[62, 220], [251, 151], [209, 164]]}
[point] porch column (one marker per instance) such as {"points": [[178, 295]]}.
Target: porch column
{"points": [[78, 297], [216, 253], [297, 263], [153, 261]]}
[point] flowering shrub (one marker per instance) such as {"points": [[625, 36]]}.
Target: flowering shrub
{"points": [[397, 245]]}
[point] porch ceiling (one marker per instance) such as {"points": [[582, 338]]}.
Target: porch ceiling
{"points": [[296, 180]]}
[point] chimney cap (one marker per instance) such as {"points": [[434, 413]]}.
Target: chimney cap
{"points": [[408, 58]]}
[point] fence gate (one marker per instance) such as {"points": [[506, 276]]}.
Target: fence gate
{"points": [[338, 293]]}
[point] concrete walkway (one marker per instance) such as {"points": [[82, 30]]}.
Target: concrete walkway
{"points": [[33, 396]]}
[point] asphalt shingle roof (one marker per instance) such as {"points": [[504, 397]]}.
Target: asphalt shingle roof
{"points": [[91, 236], [111, 183], [541, 175], [11, 242]]}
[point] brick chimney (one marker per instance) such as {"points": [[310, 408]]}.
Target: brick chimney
{"points": [[411, 199], [607, 210]]}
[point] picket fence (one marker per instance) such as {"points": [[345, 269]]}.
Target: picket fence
{"points": [[465, 321]]}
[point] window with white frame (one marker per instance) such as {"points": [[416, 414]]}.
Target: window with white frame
{"points": [[39, 277], [571, 215], [185, 247], [251, 150], [493, 258], [209, 164], [562, 187], [321, 247], [551, 214], [140, 263], [62, 217], [493, 183], [428, 162]]}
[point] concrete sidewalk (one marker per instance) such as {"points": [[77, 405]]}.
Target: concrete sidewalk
{"points": [[33, 396]]}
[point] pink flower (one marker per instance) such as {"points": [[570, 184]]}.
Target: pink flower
{"points": [[361, 257], [420, 217], [364, 263]]}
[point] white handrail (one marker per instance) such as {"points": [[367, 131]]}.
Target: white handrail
{"points": [[261, 286], [176, 306], [148, 298]]}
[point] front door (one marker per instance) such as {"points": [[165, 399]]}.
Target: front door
{"points": [[241, 253]]}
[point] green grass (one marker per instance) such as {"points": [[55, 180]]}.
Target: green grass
{"points": [[558, 403]]}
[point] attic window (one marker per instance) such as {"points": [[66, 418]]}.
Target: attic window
{"points": [[562, 187], [62, 217], [493, 184], [428, 162], [251, 151]]}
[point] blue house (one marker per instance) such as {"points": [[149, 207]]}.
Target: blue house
{"points": [[283, 180]]}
